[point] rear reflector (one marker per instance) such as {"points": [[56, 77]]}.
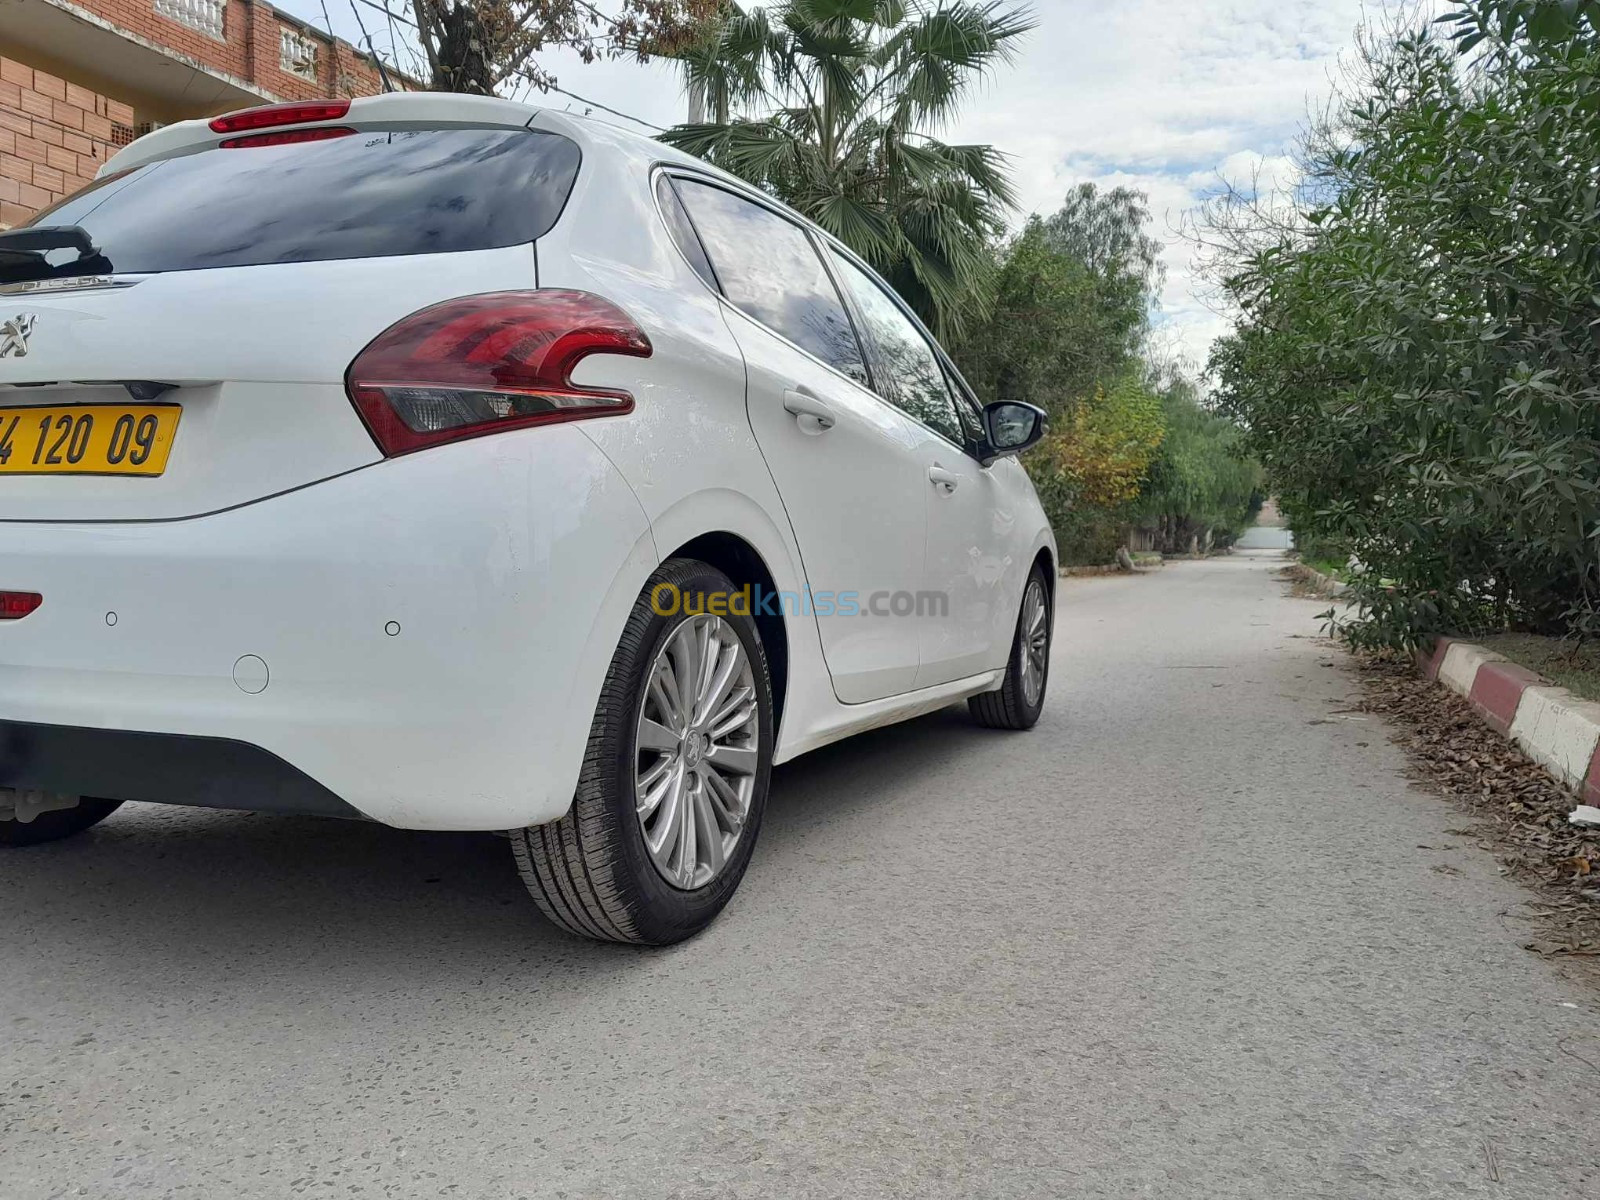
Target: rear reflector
{"points": [[286, 136], [269, 116], [16, 605], [483, 364]]}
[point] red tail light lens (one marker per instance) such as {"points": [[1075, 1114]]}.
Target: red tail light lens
{"points": [[269, 116], [482, 364], [285, 137], [16, 605]]}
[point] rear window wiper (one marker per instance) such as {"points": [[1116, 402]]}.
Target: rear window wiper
{"points": [[23, 251]]}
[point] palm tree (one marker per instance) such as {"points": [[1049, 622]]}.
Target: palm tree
{"points": [[845, 96]]}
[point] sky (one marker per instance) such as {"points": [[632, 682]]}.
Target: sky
{"points": [[1167, 96]]}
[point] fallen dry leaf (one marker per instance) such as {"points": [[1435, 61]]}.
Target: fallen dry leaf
{"points": [[1570, 950], [1520, 812]]}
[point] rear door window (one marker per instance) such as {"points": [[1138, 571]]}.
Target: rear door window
{"points": [[683, 231], [913, 379], [769, 269], [366, 195]]}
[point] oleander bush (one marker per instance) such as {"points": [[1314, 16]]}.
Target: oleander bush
{"points": [[1417, 357]]}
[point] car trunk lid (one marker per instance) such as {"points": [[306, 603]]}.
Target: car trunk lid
{"points": [[231, 291]]}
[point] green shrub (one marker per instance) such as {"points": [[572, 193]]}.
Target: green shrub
{"points": [[1418, 359]]}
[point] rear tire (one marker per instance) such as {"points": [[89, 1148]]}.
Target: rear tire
{"points": [[1019, 701], [53, 826], [616, 868]]}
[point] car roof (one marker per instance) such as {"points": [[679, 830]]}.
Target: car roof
{"points": [[398, 110], [643, 149], [402, 110], [394, 110], [444, 110]]}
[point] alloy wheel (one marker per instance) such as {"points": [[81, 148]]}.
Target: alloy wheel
{"points": [[697, 750], [1034, 643]]}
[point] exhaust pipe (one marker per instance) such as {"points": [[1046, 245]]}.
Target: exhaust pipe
{"points": [[23, 805]]}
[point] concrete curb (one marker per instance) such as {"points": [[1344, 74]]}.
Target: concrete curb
{"points": [[1325, 585], [1558, 730]]}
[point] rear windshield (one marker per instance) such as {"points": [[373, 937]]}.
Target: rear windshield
{"points": [[366, 195]]}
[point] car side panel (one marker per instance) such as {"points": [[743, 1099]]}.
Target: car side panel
{"points": [[977, 546], [613, 241], [854, 494], [687, 449], [1027, 534]]}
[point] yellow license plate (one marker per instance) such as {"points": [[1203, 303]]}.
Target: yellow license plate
{"points": [[87, 439]]}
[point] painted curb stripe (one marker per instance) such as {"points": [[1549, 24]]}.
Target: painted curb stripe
{"points": [[1430, 663], [1559, 731], [1556, 729], [1458, 669], [1497, 691]]}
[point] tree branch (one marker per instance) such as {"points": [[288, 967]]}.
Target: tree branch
{"points": [[427, 33]]}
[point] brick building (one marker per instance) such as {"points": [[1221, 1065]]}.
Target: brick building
{"points": [[79, 78]]}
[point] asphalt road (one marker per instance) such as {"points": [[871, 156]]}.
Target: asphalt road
{"points": [[1189, 938]]}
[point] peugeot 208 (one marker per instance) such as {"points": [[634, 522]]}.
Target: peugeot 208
{"points": [[448, 463]]}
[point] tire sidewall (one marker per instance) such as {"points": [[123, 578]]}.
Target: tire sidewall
{"points": [[663, 912]]}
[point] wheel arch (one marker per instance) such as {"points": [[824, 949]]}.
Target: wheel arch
{"points": [[742, 563], [1045, 560]]}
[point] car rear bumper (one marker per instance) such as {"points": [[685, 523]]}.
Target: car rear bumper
{"points": [[422, 640], [166, 768]]}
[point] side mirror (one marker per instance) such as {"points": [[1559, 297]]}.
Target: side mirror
{"points": [[1010, 428]]}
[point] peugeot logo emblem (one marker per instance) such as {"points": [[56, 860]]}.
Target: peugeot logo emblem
{"points": [[14, 336]]}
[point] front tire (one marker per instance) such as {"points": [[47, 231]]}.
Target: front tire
{"points": [[1020, 699], [54, 826], [675, 776]]}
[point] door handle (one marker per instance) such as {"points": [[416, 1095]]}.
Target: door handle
{"points": [[945, 481], [811, 412]]}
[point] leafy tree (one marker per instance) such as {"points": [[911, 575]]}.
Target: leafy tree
{"points": [[1108, 233], [1069, 318], [1107, 444], [831, 105], [1416, 358], [1056, 328], [477, 46], [1200, 489], [1500, 27]]}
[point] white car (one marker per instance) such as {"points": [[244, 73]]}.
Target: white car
{"points": [[458, 465]]}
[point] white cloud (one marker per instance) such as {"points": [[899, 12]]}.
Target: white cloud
{"points": [[1252, 171], [1169, 98]]}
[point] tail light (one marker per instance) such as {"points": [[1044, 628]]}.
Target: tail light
{"points": [[285, 137], [16, 605], [483, 364], [270, 116]]}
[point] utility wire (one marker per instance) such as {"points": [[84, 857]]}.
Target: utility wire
{"points": [[394, 45], [327, 20], [616, 112], [384, 8], [401, 17], [394, 37]]}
